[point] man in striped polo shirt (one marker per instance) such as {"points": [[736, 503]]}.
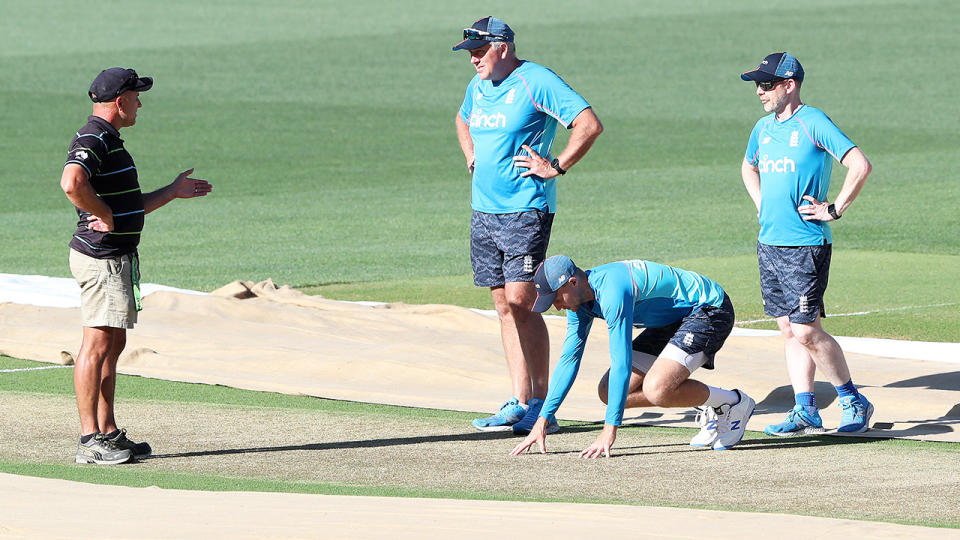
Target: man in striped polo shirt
{"points": [[100, 179]]}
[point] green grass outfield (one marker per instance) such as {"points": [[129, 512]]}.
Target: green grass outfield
{"points": [[327, 130], [209, 438]]}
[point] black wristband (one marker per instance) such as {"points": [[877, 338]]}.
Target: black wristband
{"points": [[556, 165], [832, 210]]}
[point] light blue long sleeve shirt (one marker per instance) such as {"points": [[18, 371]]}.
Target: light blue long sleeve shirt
{"points": [[627, 294]]}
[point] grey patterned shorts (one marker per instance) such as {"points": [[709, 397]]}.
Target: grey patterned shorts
{"points": [[703, 330], [508, 247], [793, 280]]}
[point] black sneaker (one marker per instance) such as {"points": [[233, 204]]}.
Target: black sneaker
{"points": [[139, 450], [102, 451]]}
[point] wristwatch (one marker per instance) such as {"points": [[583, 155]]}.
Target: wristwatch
{"points": [[556, 165], [832, 210]]}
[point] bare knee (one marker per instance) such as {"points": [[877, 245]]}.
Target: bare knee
{"points": [[513, 306], [603, 386], [806, 335], [658, 391], [98, 343], [94, 351], [656, 395]]}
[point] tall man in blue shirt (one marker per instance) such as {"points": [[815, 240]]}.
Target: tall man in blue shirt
{"points": [[786, 171], [686, 318], [506, 127]]}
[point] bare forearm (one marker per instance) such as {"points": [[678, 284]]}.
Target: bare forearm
{"points": [[466, 142], [79, 191], [586, 129], [158, 198], [751, 181], [858, 169]]}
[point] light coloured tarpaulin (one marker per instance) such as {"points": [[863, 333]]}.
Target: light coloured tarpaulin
{"points": [[261, 337]]}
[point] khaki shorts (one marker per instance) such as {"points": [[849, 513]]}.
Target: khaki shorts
{"points": [[106, 289]]}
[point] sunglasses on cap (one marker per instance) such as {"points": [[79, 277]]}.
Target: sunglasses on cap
{"points": [[129, 82], [767, 86], [473, 33]]}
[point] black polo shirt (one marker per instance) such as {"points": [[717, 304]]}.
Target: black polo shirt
{"points": [[98, 148]]}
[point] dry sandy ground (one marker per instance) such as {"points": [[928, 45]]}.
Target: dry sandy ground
{"points": [[433, 356]]}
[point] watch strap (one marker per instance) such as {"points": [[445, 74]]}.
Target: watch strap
{"points": [[832, 210], [556, 166]]}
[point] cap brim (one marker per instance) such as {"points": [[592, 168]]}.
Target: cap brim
{"points": [[143, 84], [758, 76], [470, 44], [544, 301]]}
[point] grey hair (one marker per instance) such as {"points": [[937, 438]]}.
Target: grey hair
{"points": [[511, 47]]}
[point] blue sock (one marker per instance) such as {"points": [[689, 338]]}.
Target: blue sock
{"points": [[808, 400], [848, 389]]}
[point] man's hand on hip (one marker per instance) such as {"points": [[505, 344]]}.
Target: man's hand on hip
{"points": [[535, 165]]}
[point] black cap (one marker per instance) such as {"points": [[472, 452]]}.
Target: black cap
{"points": [[114, 81]]}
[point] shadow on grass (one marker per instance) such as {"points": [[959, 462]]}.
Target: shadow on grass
{"points": [[808, 441], [763, 443], [344, 445], [586, 427]]}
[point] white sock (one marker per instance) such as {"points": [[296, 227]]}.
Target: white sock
{"points": [[719, 396]]}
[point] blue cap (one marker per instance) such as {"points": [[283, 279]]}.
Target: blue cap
{"points": [[552, 274], [484, 31], [779, 65]]}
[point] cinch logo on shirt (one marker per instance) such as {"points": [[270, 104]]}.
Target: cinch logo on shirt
{"points": [[479, 119], [784, 164]]}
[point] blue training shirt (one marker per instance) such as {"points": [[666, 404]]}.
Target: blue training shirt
{"points": [[795, 158], [627, 294], [523, 108]]}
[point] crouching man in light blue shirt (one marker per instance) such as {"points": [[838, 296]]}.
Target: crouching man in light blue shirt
{"points": [[686, 318]]}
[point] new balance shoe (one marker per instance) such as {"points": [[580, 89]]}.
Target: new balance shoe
{"points": [[707, 420], [524, 426], [510, 413], [856, 414], [102, 451], [798, 422], [732, 421], [140, 450]]}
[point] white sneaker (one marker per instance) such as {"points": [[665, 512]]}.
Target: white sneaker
{"points": [[732, 421], [707, 420]]}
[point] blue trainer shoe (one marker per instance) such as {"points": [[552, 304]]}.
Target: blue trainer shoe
{"points": [[856, 414], [510, 413], [798, 422], [524, 426]]}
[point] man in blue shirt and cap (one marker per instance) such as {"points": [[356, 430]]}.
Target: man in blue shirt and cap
{"points": [[786, 171], [686, 318], [506, 127]]}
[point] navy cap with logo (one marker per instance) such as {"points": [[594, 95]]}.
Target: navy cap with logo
{"points": [[484, 31], [776, 66], [114, 81], [552, 274]]}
